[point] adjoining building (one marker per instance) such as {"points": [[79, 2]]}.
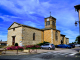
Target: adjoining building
{"points": [[27, 35], [3, 43]]}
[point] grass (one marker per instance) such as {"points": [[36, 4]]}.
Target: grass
{"points": [[1, 46]]}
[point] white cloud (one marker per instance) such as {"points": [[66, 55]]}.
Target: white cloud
{"points": [[71, 35], [3, 37], [8, 18], [29, 23], [61, 10]]}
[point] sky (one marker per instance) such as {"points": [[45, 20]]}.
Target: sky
{"points": [[33, 12]]}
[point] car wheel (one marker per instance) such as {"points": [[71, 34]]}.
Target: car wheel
{"points": [[49, 48], [53, 48]]}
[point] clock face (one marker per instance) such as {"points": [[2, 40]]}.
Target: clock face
{"points": [[47, 19]]}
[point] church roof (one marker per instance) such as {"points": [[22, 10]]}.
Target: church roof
{"points": [[20, 25], [49, 29], [62, 35], [51, 17], [77, 7]]}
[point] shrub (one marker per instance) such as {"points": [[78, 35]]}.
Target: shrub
{"points": [[42, 43], [15, 48], [16, 44], [32, 46], [56, 46]]}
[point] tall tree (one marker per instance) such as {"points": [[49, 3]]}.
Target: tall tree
{"points": [[77, 40]]}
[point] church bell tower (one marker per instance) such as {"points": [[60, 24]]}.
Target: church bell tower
{"points": [[50, 22]]}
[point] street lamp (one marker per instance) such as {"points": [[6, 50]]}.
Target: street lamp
{"points": [[77, 8], [76, 22]]}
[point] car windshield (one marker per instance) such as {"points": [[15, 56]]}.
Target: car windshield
{"points": [[46, 44]]}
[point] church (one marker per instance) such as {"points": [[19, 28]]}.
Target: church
{"points": [[27, 35]]}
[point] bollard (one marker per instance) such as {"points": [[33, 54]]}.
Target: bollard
{"points": [[5, 51], [36, 50], [17, 51], [29, 51]]}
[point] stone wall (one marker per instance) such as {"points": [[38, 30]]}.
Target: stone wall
{"points": [[27, 34], [56, 42], [47, 36], [17, 33]]}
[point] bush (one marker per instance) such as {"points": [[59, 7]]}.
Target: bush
{"points": [[56, 46], [32, 47], [15, 48], [42, 43], [16, 44]]}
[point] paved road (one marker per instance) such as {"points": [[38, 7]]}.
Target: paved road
{"points": [[67, 54], [43, 56]]}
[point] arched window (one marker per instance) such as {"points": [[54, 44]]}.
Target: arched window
{"points": [[33, 36], [53, 23], [56, 35], [47, 23]]}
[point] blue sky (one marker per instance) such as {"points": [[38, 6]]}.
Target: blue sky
{"points": [[33, 12]]}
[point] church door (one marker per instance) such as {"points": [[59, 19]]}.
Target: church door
{"points": [[13, 40]]}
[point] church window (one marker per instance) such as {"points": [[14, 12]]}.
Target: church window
{"points": [[54, 24], [47, 23], [33, 36], [13, 29], [56, 35]]}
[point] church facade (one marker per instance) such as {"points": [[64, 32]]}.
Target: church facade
{"points": [[27, 35]]}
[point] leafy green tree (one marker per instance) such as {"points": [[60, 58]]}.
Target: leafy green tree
{"points": [[77, 40]]}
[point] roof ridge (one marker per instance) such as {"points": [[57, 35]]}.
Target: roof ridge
{"points": [[27, 26]]}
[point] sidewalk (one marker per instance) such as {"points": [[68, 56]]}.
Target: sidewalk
{"points": [[22, 53]]}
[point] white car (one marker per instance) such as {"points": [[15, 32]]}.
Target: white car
{"points": [[77, 45], [48, 46]]}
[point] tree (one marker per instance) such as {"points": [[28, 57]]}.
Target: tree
{"points": [[77, 40]]}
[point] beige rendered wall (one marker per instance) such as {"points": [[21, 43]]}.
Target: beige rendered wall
{"points": [[56, 42], [47, 36], [17, 33], [64, 39], [67, 41], [27, 35]]}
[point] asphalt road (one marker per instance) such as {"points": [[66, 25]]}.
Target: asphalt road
{"points": [[58, 55], [41, 56]]}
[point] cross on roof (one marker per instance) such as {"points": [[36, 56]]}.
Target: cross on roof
{"points": [[50, 13]]}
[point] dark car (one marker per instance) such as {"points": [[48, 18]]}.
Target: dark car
{"points": [[63, 46], [48, 46], [72, 45]]}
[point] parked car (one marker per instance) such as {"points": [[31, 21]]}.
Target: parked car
{"points": [[72, 45], [77, 45], [48, 46], [63, 46]]}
